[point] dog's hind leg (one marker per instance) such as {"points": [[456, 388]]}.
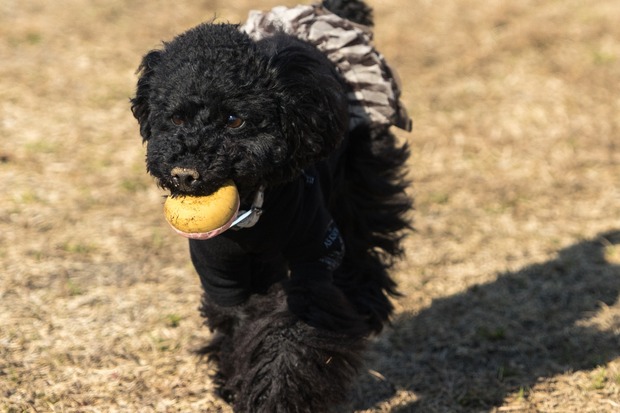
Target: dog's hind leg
{"points": [[223, 322]]}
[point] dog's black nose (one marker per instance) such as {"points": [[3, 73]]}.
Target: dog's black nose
{"points": [[185, 179]]}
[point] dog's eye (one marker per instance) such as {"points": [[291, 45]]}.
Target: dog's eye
{"points": [[234, 122], [177, 119]]}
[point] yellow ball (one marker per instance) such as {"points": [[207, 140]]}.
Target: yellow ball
{"points": [[201, 215]]}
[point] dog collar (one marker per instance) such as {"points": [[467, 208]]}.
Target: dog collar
{"points": [[249, 218]]}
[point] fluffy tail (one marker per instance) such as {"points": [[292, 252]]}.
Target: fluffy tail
{"points": [[355, 10], [370, 206]]}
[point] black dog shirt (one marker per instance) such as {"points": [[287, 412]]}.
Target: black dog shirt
{"points": [[294, 237]]}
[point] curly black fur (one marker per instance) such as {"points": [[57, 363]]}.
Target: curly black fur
{"points": [[262, 114], [214, 71], [356, 11], [271, 361]]}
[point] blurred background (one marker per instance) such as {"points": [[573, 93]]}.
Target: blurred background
{"points": [[512, 276]]}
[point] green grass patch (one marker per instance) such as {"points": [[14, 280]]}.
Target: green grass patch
{"points": [[440, 198], [598, 379], [523, 393], [164, 344], [29, 197], [611, 253], [31, 38], [74, 289], [600, 57], [491, 334], [173, 320], [81, 248], [42, 146], [134, 185]]}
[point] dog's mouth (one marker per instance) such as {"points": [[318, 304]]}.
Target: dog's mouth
{"points": [[203, 217]]}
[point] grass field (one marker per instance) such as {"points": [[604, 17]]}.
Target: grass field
{"points": [[512, 278]]}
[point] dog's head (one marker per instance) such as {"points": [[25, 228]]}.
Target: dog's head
{"points": [[215, 105]]}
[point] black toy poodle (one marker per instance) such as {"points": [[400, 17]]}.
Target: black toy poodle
{"points": [[295, 108]]}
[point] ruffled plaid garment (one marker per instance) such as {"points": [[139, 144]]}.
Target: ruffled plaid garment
{"points": [[375, 96]]}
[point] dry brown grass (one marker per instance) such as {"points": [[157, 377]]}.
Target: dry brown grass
{"points": [[512, 278]]}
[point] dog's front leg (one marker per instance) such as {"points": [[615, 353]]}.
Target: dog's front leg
{"points": [[283, 365]]}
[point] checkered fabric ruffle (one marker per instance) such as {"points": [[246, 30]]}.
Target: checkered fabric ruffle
{"points": [[375, 96]]}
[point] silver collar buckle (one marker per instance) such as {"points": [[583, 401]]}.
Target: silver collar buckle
{"points": [[249, 218]]}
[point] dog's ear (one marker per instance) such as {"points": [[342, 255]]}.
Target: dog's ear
{"points": [[312, 100], [140, 103]]}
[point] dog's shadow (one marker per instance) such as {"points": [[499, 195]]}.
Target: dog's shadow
{"points": [[468, 352]]}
